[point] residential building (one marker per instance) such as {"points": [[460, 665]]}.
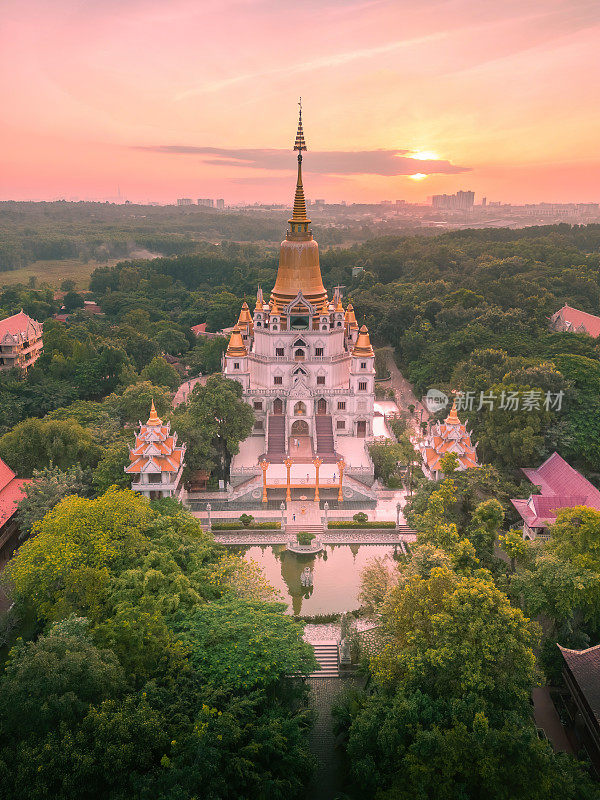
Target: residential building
{"points": [[20, 341], [561, 486], [449, 436], [184, 201], [575, 321], [207, 202], [220, 203], [156, 460]]}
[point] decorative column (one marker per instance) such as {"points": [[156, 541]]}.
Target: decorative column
{"points": [[398, 509], [288, 493], [340, 465], [208, 510], [317, 462], [282, 507], [264, 465], [326, 509]]}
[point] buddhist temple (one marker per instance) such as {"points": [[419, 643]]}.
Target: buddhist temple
{"points": [[449, 436], [304, 366], [156, 460]]}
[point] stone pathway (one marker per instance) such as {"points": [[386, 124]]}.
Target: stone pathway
{"points": [[328, 778]]}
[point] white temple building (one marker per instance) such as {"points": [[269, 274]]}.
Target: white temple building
{"points": [[307, 371]]}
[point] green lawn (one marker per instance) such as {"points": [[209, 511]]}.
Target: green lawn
{"points": [[54, 272]]}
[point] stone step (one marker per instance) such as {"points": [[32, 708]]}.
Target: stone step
{"points": [[327, 655]]}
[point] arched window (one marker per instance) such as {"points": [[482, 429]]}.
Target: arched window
{"points": [[299, 355], [299, 409]]}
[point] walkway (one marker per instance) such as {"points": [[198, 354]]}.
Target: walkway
{"points": [[546, 717], [329, 776], [332, 537]]}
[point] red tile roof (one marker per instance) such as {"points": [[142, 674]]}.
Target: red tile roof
{"points": [[584, 666], [561, 487], [577, 319], [11, 492], [198, 329], [18, 323]]}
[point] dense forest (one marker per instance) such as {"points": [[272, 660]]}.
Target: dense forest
{"points": [[142, 661]]}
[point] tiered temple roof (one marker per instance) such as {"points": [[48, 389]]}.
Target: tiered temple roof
{"points": [[450, 436], [156, 449]]}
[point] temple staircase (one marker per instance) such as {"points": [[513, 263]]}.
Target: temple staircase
{"points": [[325, 443], [276, 438], [327, 654]]}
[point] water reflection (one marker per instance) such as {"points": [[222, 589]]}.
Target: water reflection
{"points": [[324, 583]]}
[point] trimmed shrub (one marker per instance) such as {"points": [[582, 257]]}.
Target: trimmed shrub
{"points": [[254, 526], [340, 523], [304, 537]]}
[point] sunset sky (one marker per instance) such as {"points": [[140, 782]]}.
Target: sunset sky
{"points": [[189, 98]]}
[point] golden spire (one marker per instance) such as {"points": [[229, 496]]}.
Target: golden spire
{"points": [[299, 213], [452, 418], [350, 318], [245, 317], [339, 306], [363, 344], [154, 420], [259, 300], [236, 346], [274, 307], [299, 269]]}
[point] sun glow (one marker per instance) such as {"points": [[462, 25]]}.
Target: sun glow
{"points": [[425, 155], [418, 176]]}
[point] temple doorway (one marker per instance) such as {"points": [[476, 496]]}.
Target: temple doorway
{"points": [[300, 428], [278, 406], [321, 406], [300, 443], [361, 429]]}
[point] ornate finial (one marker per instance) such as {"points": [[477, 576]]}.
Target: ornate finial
{"points": [[300, 144]]}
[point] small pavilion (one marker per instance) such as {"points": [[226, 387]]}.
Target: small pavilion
{"points": [[156, 460]]}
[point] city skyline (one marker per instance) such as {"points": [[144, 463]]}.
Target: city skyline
{"points": [[400, 102]]}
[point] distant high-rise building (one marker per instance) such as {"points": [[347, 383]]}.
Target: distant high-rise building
{"points": [[184, 201], [206, 202], [461, 201], [220, 203], [484, 201]]}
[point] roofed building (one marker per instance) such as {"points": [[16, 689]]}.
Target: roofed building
{"points": [[575, 321], [561, 486], [156, 460], [20, 341], [11, 493], [449, 436], [581, 672]]}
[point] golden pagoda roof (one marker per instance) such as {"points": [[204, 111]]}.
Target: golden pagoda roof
{"points": [[245, 315], [236, 345], [363, 344], [452, 418], [154, 420], [339, 306], [350, 318]]}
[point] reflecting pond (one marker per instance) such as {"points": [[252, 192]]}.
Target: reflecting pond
{"points": [[325, 583]]}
